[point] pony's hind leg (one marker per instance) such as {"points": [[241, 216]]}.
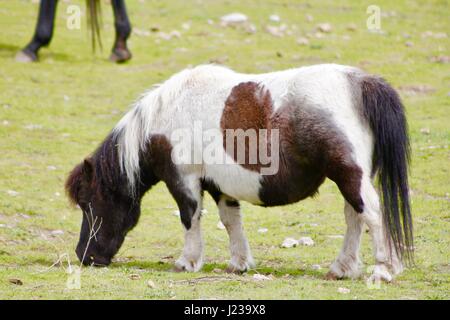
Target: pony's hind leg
{"points": [[120, 51], [386, 259], [230, 215], [347, 265], [347, 175], [363, 206]]}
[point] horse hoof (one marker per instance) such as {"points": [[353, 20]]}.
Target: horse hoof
{"points": [[25, 57], [120, 55], [233, 270], [331, 276]]}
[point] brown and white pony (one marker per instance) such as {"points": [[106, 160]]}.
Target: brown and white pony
{"points": [[331, 121]]}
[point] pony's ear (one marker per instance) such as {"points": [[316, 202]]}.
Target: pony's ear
{"points": [[73, 183], [82, 173], [88, 168]]}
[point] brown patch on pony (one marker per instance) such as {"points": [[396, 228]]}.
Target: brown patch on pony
{"points": [[248, 107]]}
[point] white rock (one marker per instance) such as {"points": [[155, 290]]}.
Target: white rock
{"points": [[220, 225], [335, 236], [57, 232], [33, 126], [262, 230], [261, 277], [186, 25], [324, 27], [5, 122], [425, 131], [170, 36], [204, 211], [12, 193], [275, 31], [151, 284], [316, 267], [274, 18], [306, 241], [176, 213], [302, 41], [234, 18], [51, 168], [141, 33], [289, 243], [343, 290], [250, 28]]}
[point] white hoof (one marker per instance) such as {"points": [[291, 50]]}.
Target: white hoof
{"points": [[339, 270], [380, 273], [188, 264], [23, 57], [240, 264]]}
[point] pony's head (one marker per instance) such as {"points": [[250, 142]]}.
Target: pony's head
{"points": [[101, 191]]}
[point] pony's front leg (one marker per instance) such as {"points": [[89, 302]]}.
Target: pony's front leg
{"points": [[189, 199], [230, 215]]}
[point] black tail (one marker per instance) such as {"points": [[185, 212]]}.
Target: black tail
{"points": [[94, 21], [385, 113]]}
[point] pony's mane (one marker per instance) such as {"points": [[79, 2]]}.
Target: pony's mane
{"points": [[107, 175], [103, 169], [132, 134]]}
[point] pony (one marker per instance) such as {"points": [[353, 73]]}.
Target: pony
{"points": [[46, 22], [332, 121]]}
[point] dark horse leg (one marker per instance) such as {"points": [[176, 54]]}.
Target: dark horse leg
{"points": [[43, 33], [120, 52]]}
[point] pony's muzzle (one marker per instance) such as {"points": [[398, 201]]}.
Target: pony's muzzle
{"points": [[88, 258]]}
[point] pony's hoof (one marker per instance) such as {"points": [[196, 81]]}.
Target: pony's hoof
{"points": [[25, 57], [380, 273], [331, 276], [120, 55], [240, 266], [188, 265], [234, 270], [351, 270]]}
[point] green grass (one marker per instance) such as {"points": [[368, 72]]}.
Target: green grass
{"points": [[72, 99]]}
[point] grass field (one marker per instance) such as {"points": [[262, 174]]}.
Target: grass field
{"points": [[55, 112]]}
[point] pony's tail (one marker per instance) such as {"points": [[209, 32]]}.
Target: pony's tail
{"points": [[94, 22], [391, 157]]}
